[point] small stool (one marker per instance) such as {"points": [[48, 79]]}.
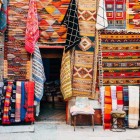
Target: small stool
{"points": [[118, 121]]}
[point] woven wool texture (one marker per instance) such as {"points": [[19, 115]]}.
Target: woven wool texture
{"points": [[133, 117], [107, 107], [1, 98], [87, 20], [7, 102], [1, 55], [121, 57], [82, 73], [15, 53], [13, 103], [18, 101], [87, 17], [38, 74], [51, 14], [119, 94], [32, 31], [126, 103], [116, 14], [3, 16], [133, 16], [65, 76]]}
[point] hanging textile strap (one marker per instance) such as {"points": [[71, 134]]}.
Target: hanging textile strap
{"points": [[29, 87], [32, 31]]}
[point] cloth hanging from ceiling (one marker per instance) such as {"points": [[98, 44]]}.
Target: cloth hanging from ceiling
{"points": [[65, 76], [3, 15], [71, 22], [133, 106], [32, 31], [101, 21]]}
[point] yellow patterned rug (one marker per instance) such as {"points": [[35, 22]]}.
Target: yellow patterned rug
{"points": [[82, 74]]}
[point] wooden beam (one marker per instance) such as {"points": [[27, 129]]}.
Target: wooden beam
{"points": [[51, 47]]}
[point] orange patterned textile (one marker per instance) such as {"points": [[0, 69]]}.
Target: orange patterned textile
{"points": [[107, 107]]}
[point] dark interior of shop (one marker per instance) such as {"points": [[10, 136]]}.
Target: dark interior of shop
{"points": [[52, 106]]}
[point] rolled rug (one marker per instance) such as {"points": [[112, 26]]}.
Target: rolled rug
{"points": [[107, 108], [119, 93], [18, 102], [1, 97], [7, 102], [29, 88], [133, 117]]}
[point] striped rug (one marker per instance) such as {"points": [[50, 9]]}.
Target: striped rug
{"points": [[133, 106]]}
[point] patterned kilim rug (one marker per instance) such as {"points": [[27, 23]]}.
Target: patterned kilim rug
{"points": [[87, 19], [51, 14], [82, 73], [121, 58], [84, 66], [116, 14], [1, 55], [15, 53], [133, 15]]}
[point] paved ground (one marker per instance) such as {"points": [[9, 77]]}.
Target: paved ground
{"points": [[57, 131]]}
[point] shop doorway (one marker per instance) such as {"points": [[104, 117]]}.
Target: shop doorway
{"points": [[52, 107]]}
